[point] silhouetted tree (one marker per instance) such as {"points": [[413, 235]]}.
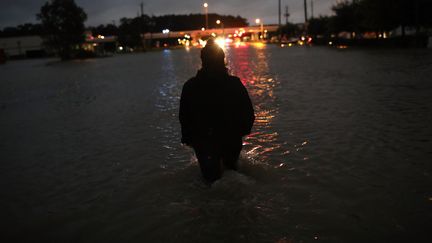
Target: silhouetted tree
{"points": [[106, 30], [289, 30], [424, 9], [63, 25], [196, 21], [347, 17], [380, 15], [130, 30], [319, 26], [385, 15]]}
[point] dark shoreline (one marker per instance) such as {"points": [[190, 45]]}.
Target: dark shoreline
{"points": [[394, 42]]}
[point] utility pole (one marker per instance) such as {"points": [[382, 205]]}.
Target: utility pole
{"points": [[286, 14], [142, 9], [279, 13], [312, 9], [305, 11]]}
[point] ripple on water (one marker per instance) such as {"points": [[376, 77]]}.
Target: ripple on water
{"points": [[339, 151]]}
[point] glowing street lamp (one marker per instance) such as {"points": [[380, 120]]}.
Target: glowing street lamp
{"points": [[206, 13], [223, 28], [258, 21]]}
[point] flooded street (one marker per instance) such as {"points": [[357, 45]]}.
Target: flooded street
{"points": [[340, 150]]}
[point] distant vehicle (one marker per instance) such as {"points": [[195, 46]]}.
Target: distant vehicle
{"points": [[291, 40]]}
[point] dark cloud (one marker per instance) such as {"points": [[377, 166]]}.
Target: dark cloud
{"points": [[14, 12]]}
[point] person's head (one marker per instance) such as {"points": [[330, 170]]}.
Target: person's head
{"points": [[212, 56]]}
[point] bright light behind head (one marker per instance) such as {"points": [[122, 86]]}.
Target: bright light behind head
{"points": [[220, 42]]}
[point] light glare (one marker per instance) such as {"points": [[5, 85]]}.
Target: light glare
{"points": [[220, 42]]}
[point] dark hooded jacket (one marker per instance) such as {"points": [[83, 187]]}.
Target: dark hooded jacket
{"points": [[214, 106]]}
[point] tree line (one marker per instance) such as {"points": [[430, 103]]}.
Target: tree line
{"points": [[130, 29], [143, 24], [62, 26], [374, 16], [359, 16]]}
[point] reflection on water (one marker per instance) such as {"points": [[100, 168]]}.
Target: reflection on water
{"points": [[340, 150], [252, 67]]}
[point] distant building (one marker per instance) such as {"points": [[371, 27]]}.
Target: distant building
{"points": [[23, 46], [32, 46]]}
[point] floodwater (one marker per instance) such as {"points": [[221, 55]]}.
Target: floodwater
{"points": [[340, 150]]}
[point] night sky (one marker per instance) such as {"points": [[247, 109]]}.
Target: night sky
{"points": [[15, 12]]}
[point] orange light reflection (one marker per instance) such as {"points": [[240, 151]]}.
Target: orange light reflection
{"points": [[251, 65]]}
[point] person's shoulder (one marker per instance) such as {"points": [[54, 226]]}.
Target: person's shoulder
{"points": [[190, 82], [235, 79]]}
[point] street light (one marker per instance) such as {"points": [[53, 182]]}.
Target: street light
{"points": [[258, 21], [206, 13], [223, 28]]}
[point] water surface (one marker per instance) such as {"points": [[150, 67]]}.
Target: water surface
{"points": [[340, 150]]}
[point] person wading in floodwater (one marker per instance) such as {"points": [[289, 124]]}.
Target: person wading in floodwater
{"points": [[215, 113]]}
